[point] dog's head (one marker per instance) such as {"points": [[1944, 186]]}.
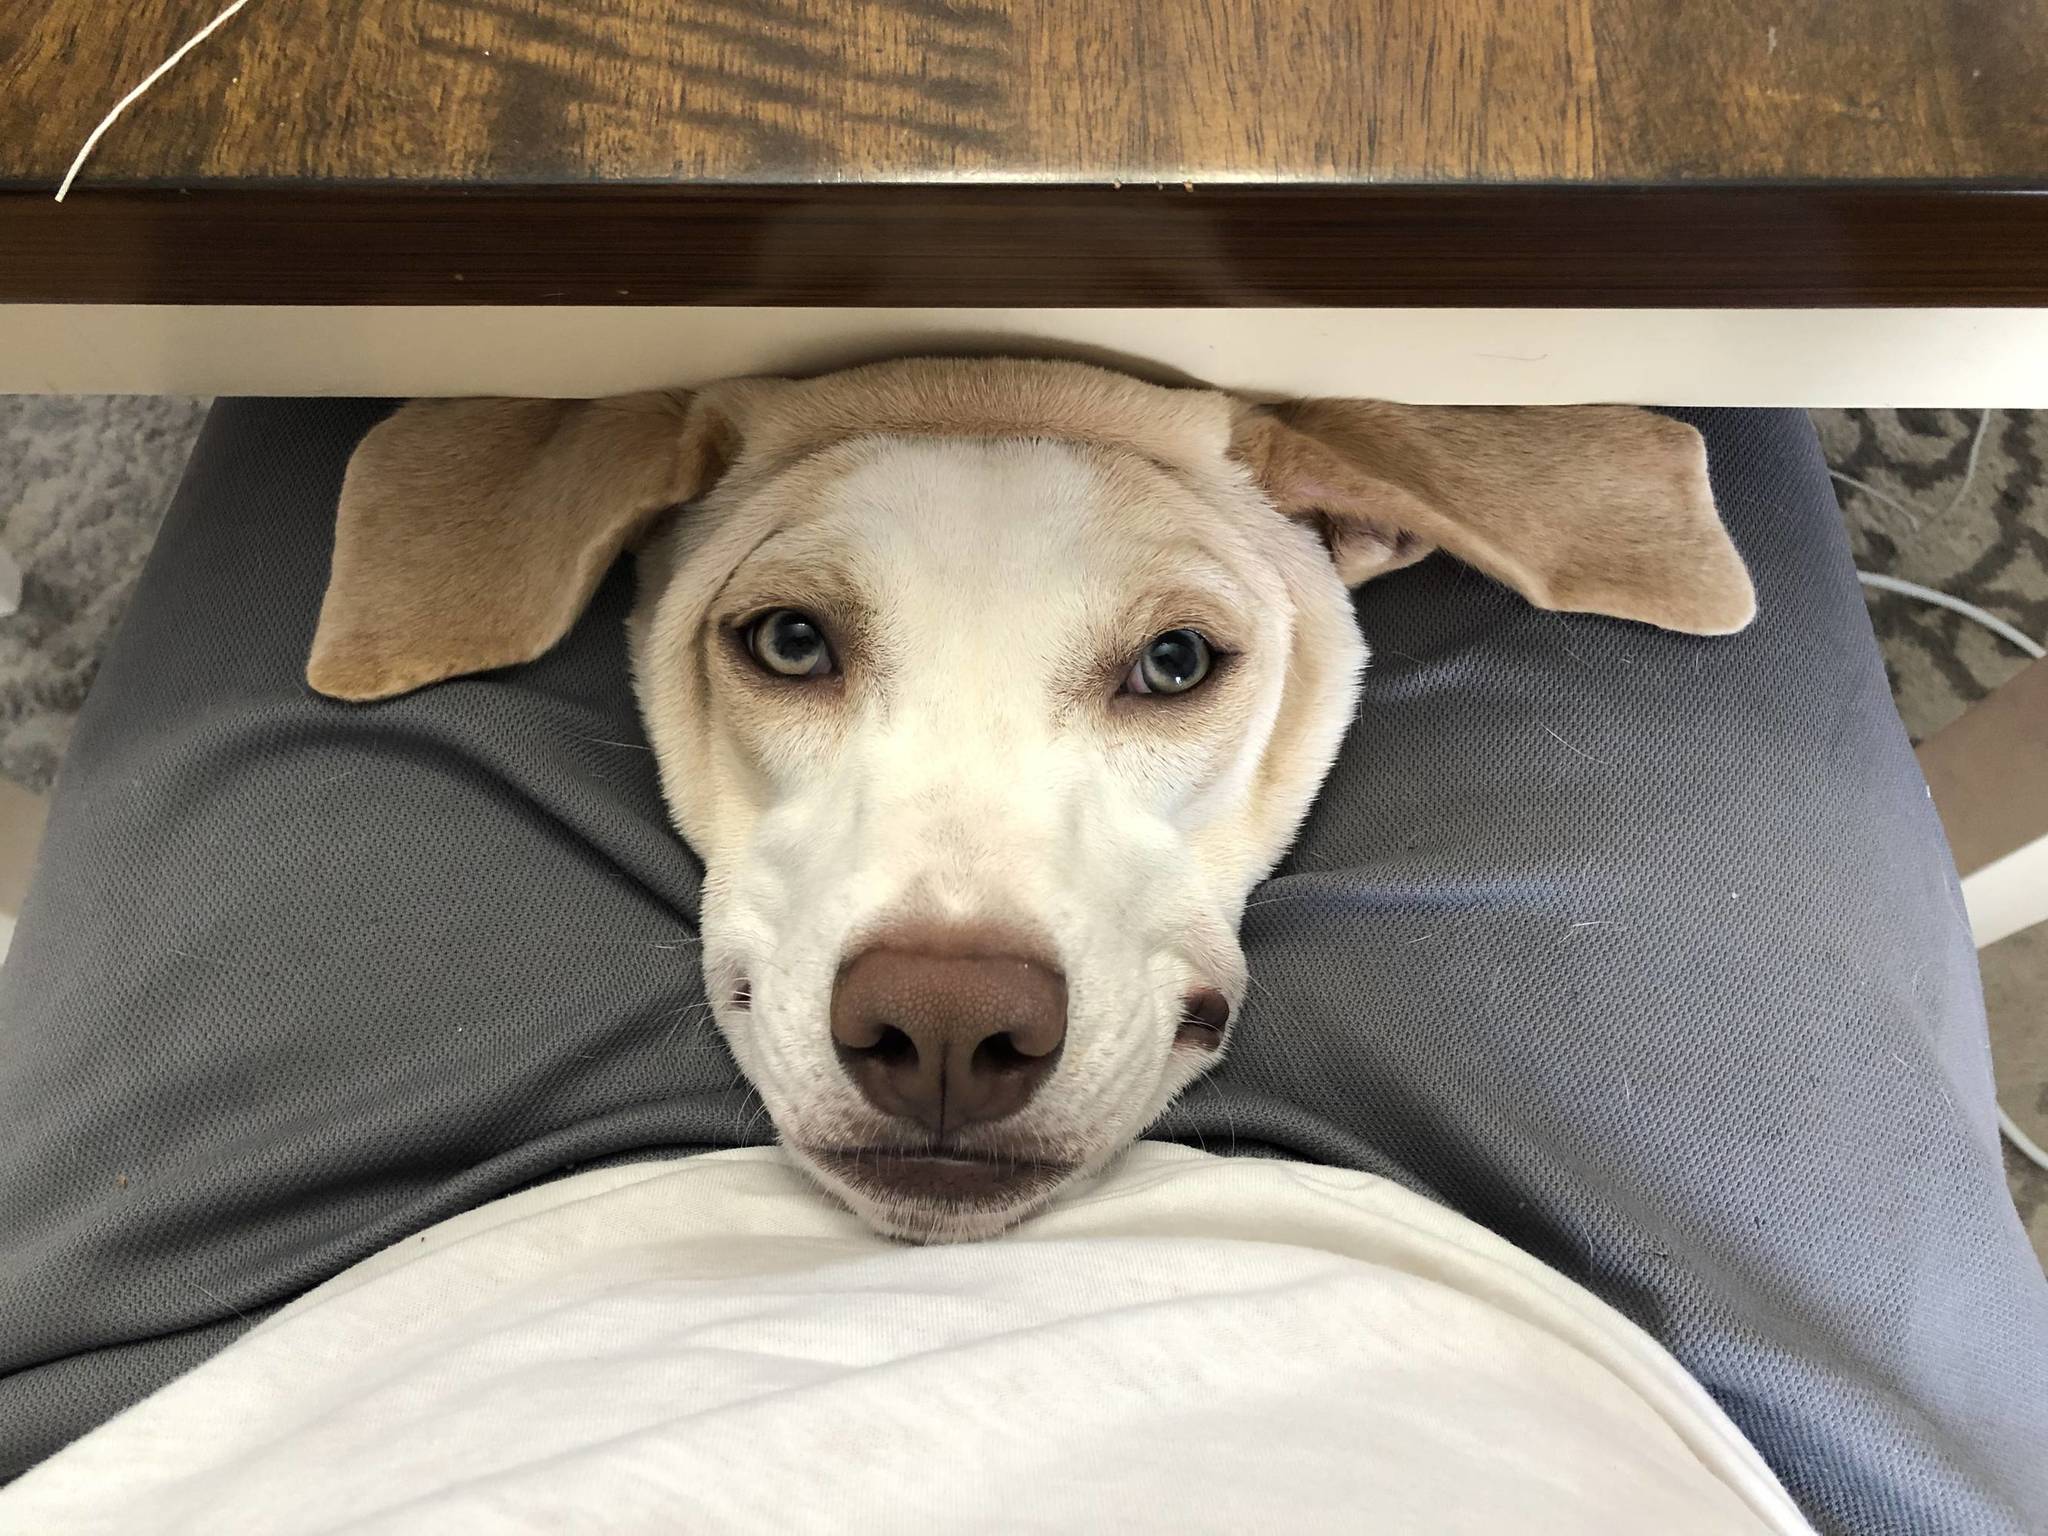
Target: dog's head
{"points": [[986, 691]]}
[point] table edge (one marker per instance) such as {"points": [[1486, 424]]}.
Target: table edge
{"points": [[1035, 244]]}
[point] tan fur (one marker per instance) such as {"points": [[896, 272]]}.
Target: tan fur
{"points": [[471, 532], [948, 397], [1584, 509]]}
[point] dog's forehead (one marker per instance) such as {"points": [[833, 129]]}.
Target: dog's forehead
{"points": [[938, 524], [778, 421], [950, 493]]}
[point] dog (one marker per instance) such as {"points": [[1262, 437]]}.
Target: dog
{"points": [[986, 691]]}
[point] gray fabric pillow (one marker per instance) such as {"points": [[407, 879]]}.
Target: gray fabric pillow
{"points": [[1645, 951]]}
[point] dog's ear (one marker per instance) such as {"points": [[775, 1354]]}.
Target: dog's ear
{"points": [[1582, 509], [472, 532]]}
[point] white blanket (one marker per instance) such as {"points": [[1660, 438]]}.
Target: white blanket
{"points": [[1191, 1344]]}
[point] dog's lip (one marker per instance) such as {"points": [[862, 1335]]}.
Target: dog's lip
{"points": [[951, 1178]]}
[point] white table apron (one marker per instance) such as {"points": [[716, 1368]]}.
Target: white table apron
{"points": [[1802, 357]]}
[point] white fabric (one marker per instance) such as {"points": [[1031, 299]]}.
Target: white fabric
{"points": [[1191, 1344]]}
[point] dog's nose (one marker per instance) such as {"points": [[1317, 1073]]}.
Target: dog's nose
{"points": [[936, 1033]]}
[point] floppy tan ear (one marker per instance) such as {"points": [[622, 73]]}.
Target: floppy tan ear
{"points": [[1583, 509], [472, 532]]}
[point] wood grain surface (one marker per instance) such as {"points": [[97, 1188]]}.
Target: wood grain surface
{"points": [[607, 92]]}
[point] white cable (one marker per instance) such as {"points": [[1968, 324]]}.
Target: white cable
{"points": [[2022, 1142], [1977, 436], [1971, 611], [1970, 468], [1876, 495], [150, 79]]}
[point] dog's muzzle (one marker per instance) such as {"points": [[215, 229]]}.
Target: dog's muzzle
{"points": [[978, 1182], [946, 1041], [944, 1030]]}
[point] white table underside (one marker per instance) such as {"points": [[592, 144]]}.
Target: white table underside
{"points": [[1811, 357]]}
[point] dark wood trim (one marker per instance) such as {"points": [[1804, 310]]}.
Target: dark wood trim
{"points": [[1033, 245]]}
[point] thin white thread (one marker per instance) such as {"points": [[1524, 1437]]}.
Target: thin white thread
{"points": [[1970, 467], [1597, 762], [151, 79], [1872, 491], [1962, 491]]}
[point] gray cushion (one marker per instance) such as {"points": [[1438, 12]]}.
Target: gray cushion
{"points": [[1645, 951]]}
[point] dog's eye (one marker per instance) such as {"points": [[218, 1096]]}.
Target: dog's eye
{"points": [[1171, 663], [790, 644]]}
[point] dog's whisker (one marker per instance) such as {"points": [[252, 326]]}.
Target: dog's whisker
{"points": [[764, 967], [699, 1005], [216, 1299], [758, 1117], [1253, 984], [1276, 900], [680, 1019], [1282, 1038], [677, 941]]}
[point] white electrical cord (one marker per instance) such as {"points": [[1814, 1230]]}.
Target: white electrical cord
{"points": [[2021, 1141], [10, 585], [1971, 611], [148, 80]]}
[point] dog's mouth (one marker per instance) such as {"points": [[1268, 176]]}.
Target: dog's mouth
{"points": [[964, 1181]]}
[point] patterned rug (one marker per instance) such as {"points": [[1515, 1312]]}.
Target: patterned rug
{"points": [[83, 484], [1954, 500]]}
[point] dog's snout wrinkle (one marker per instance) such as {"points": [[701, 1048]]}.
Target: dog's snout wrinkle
{"points": [[937, 1029]]}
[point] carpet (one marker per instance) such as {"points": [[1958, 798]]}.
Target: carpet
{"points": [[83, 485]]}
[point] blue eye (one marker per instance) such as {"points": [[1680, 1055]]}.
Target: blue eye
{"points": [[790, 644], [1171, 663]]}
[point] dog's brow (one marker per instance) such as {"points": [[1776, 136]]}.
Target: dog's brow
{"points": [[1188, 608], [773, 467], [810, 583]]}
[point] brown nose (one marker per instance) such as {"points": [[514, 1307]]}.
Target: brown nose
{"points": [[939, 1034]]}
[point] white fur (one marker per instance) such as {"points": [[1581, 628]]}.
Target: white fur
{"points": [[970, 768]]}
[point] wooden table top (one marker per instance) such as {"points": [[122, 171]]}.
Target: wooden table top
{"points": [[1032, 151]]}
